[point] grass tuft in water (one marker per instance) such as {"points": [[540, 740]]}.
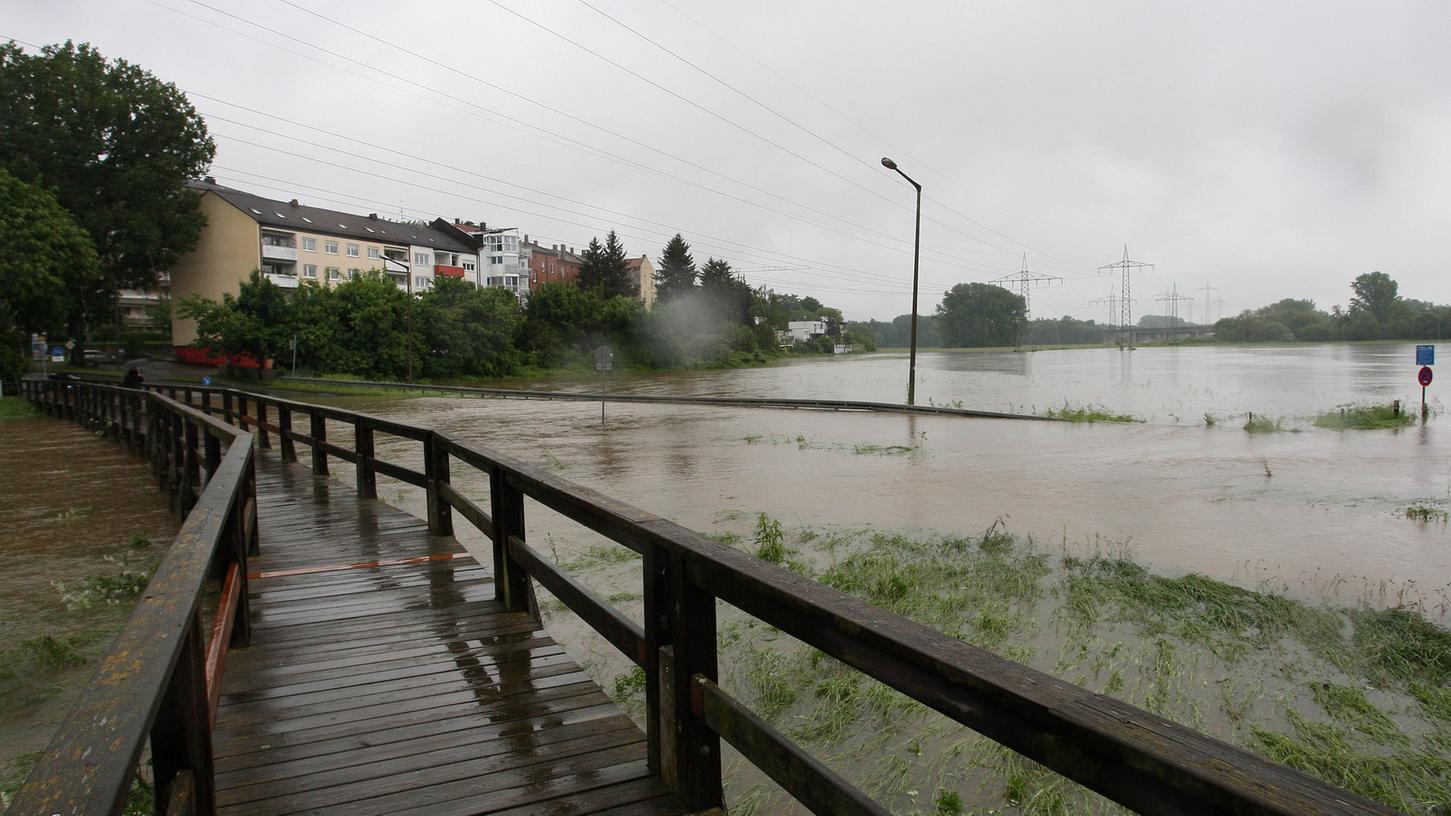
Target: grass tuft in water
{"points": [[600, 555], [1259, 423], [1401, 644], [1425, 513], [1088, 413], [52, 653], [16, 408], [1364, 417], [1349, 706], [770, 540]]}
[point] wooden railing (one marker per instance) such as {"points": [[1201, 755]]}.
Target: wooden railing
{"points": [[159, 685], [1134, 757]]}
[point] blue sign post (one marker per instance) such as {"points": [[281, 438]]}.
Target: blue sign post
{"points": [[1425, 357]]}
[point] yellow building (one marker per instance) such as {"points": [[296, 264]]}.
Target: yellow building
{"points": [[290, 243], [643, 274]]}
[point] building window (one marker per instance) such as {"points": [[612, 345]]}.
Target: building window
{"points": [[496, 259], [353, 273], [332, 273], [352, 250], [373, 253], [309, 271], [309, 244], [330, 247], [420, 283], [470, 266], [421, 258]]}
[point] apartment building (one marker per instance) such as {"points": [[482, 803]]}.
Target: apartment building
{"points": [[643, 274], [500, 258], [291, 243], [556, 263]]}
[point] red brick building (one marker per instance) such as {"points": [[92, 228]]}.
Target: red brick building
{"points": [[552, 264]]}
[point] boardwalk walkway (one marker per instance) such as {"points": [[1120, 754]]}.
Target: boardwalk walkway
{"points": [[384, 678]]}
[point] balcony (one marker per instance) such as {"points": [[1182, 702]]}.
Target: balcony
{"points": [[283, 281], [443, 271], [275, 252]]}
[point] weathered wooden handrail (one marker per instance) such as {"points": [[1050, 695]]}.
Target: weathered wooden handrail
{"points": [[160, 682], [1134, 757]]}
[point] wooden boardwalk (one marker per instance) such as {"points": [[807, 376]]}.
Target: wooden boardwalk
{"points": [[384, 678]]}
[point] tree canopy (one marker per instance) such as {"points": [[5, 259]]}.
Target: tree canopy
{"points": [[677, 274], [115, 145], [980, 314], [604, 268], [46, 259]]}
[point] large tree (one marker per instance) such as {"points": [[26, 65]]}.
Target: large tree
{"points": [[256, 323], [605, 270], [980, 314], [115, 145], [46, 260], [677, 275], [1373, 295], [728, 295]]}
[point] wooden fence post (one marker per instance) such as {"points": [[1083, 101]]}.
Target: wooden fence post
{"points": [[319, 436], [363, 445], [181, 735], [511, 582], [190, 468], [284, 433], [435, 469], [227, 407], [242, 411], [263, 440], [213, 447], [693, 749]]}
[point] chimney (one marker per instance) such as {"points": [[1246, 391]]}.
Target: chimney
{"points": [[526, 237], [455, 222], [483, 224], [554, 247], [372, 216], [293, 202]]}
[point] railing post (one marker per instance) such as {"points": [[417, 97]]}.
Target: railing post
{"points": [[511, 582], [435, 471], [206, 402], [181, 736], [241, 526], [190, 467], [689, 750], [284, 431], [213, 448], [319, 436], [227, 407], [263, 440], [363, 445], [242, 412]]}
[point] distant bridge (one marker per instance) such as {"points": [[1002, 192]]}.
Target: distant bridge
{"points": [[1134, 335]]}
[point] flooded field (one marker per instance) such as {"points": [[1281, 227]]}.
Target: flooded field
{"points": [[1269, 588], [83, 527]]}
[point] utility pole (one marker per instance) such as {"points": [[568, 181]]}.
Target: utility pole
{"points": [[1208, 318], [1112, 300], [1126, 268], [1024, 281]]}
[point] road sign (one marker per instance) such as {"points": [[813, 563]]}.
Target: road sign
{"points": [[57, 354], [1425, 355], [1424, 376], [70, 344], [206, 379]]}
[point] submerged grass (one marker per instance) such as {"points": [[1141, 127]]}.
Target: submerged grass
{"points": [[1088, 413], [1358, 697], [1260, 423], [1423, 512], [1364, 417]]}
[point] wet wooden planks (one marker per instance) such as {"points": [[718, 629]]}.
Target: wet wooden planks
{"points": [[383, 678]]}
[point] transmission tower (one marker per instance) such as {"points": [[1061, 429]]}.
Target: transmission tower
{"points": [[1173, 298], [1112, 299], [1208, 318], [1024, 281], [1126, 268]]}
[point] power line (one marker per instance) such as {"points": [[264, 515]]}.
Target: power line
{"points": [[518, 123], [1024, 281], [1126, 268]]}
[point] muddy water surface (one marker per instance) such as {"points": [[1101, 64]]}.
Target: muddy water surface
{"points": [[73, 508]]}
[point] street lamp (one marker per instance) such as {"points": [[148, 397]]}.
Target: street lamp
{"points": [[916, 251]]}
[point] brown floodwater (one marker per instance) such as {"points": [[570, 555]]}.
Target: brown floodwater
{"points": [[70, 507]]}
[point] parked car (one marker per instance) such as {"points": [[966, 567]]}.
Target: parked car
{"points": [[97, 357]]}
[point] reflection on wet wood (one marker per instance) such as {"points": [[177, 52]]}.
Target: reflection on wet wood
{"points": [[383, 677]]}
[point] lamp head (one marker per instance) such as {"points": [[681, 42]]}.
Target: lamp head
{"points": [[888, 163]]}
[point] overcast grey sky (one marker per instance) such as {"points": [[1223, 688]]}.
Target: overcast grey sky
{"points": [[1269, 149]]}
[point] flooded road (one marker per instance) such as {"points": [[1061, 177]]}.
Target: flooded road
{"points": [[1310, 510]]}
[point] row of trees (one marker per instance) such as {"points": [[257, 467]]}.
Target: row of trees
{"points": [[1377, 312], [369, 327], [92, 187]]}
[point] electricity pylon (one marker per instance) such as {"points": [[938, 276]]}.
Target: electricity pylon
{"points": [[1173, 298], [1208, 318], [1126, 267], [1024, 281]]}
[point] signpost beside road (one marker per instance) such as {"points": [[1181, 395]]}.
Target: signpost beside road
{"points": [[1425, 358]]}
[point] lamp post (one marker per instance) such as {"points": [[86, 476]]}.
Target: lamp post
{"points": [[916, 252]]}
